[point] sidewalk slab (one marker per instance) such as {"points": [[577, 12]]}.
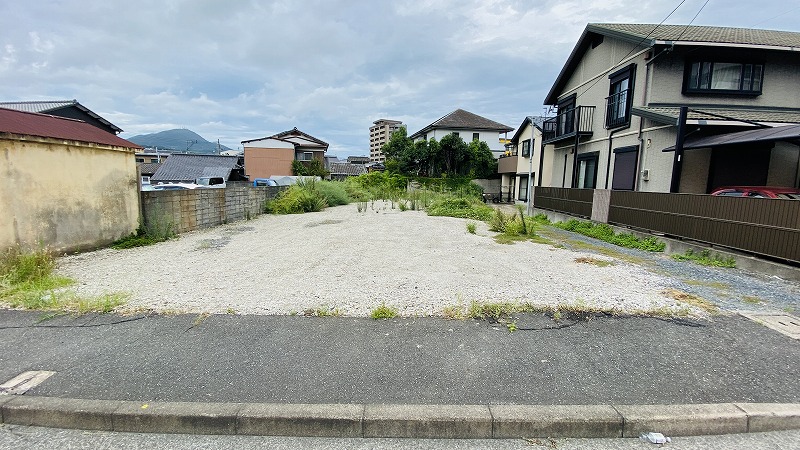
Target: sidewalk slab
{"points": [[428, 421], [577, 421], [60, 412], [320, 420], [176, 417], [683, 420], [762, 417]]}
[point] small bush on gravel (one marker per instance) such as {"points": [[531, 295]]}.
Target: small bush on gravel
{"points": [[471, 227], [459, 207], [383, 312]]}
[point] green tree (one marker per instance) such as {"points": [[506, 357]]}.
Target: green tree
{"points": [[482, 163], [313, 168], [455, 153]]}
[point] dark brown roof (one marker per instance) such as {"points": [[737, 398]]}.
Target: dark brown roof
{"points": [[294, 136], [463, 120], [42, 125]]}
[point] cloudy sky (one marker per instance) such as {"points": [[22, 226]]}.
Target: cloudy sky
{"points": [[236, 70]]}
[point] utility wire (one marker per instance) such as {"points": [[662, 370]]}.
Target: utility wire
{"points": [[692, 21], [774, 17], [634, 47]]}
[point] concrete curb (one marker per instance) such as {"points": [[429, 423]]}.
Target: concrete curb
{"points": [[409, 421]]}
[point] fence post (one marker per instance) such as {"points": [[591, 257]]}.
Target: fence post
{"points": [[601, 203]]}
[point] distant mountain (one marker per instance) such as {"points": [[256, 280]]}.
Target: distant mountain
{"points": [[178, 140]]}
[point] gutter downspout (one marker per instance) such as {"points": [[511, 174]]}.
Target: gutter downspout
{"points": [[576, 124], [608, 161], [677, 161]]}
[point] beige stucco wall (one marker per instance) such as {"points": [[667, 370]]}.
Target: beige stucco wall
{"points": [[266, 162], [65, 196], [781, 78]]}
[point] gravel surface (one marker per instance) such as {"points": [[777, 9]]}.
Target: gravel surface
{"points": [[354, 261]]}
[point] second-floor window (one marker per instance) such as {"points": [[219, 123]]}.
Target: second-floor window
{"points": [[526, 148], [620, 98], [724, 77], [476, 136]]}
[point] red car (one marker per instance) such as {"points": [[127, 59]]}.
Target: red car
{"points": [[758, 192]]}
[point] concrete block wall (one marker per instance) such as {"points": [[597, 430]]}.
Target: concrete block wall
{"points": [[188, 210]]}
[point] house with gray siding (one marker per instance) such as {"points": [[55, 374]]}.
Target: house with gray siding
{"points": [[657, 108]]}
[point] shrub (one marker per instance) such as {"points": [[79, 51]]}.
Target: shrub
{"points": [[605, 233], [471, 227], [334, 192], [383, 312], [297, 199], [459, 207]]}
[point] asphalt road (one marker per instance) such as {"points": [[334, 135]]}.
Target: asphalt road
{"points": [[289, 359], [34, 438]]}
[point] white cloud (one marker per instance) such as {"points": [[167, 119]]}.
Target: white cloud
{"points": [[245, 69]]}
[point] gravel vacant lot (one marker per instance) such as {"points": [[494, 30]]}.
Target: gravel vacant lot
{"points": [[354, 261]]}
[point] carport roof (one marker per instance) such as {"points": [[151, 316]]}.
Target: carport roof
{"points": [[787, 133], [701, 114]]}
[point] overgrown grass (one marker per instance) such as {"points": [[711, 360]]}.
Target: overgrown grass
{"points": [[299, 198], [471, 227], [604, 232], [27, 281], [706, 259], [461, 207], [515, 227], [383, 312]]}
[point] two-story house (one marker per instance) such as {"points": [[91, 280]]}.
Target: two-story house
{"points": [[273, 155], [470, 127], [519, 165], [675, 108]]}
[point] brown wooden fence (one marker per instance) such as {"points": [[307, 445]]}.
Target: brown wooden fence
{"points": [[769, 227], [577, 202]]}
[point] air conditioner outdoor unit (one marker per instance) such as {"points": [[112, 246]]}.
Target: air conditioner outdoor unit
{"points": [[646, 174]]}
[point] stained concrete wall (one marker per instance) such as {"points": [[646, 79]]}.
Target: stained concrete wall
{"points": [[193, 209], [65, 195]]}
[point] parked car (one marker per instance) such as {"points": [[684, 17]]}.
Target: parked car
{"points": [[210, 182], [264, 182], [169, 186], [758, 192]]}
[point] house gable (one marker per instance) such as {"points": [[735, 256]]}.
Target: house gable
{"points": [[70, 109]]}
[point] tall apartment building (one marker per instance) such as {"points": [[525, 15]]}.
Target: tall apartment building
{"points": [[379, 134]]}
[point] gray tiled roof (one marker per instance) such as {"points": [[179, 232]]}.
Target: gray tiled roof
{"points": [[37, 107], [151, 168], [189, 167], [463, 120], [698, 33], [343, 168], [669, 114], [51, 106]]}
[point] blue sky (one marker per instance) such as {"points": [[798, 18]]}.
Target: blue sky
{"points": [[237, 70]]}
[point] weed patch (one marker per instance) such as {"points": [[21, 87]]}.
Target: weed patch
{"points": [[705, 258], [593, 261], [463, 208], [383, 312], [322, 311], [692, 300], [471, 227], [605, 233]]}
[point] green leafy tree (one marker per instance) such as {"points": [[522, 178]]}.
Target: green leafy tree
{"points": [[455, 153], [481, 160], [313, 168]]}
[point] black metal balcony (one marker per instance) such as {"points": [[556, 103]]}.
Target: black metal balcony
{"points": [[618, 109], [563, 126]]}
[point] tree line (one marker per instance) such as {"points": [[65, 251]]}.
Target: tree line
{"points": [[451, 156]]}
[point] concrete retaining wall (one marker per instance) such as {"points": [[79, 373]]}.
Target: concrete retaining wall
{"points": [[193, 209]]}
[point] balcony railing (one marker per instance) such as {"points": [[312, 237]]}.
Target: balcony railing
{"points": [[563, 126], [618, 109]]}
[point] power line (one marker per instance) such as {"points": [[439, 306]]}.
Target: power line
{"points": [[637, 45], [692, 21], [774, 17]]}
